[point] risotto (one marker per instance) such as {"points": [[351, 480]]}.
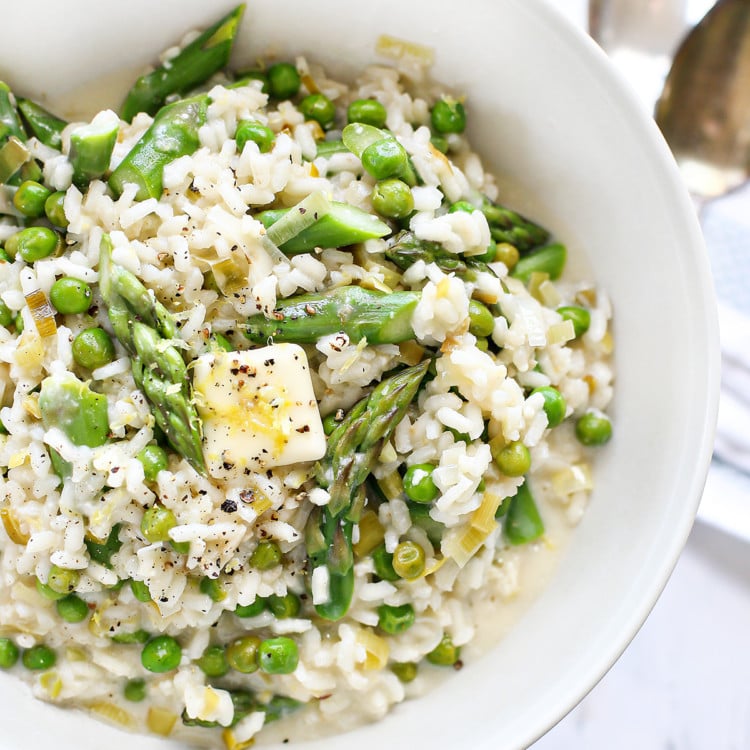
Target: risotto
{"points": [[287, 396]]}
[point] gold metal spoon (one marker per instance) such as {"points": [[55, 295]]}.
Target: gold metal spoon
{"points": [[704, 109]]}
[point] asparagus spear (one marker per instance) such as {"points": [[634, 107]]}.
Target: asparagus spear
{"points": [[523, 523], [145, 327], [360, 313], [508, 226], [10, 123], [196, 63], [342, 225], [174, 133], [406, 249], [549, 259], [91, 147], [41, 123], [352, 449]]}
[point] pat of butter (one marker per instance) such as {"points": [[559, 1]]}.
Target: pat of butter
{"points": [[258, 410]]}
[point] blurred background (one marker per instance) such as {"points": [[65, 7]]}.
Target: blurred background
{"points": [[684, 681]]}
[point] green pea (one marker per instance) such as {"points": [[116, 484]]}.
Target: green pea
{"points": [[418, 483], [285, 606], [483, 345], [320, 108], [242, 654], [441, 144], [70, 296], [154, 459], [93, 348], [265, 556], [367, 111], [408, 560], [156, 524], [406, 671], [554, 404], [257, 132], [8, 653], [134, 636], [47, 592], [513, 459], [251, 610], [72, 609], [140, 591], [594, 428], [383, 564], [36, 243], [463, 206], [62, 580], [508, 254], [385, 158], [161, 654], [448, 116], [579, 316], [213, 661], [481, 320], [6, 315], [445, 654], [30, 197], [283, 80], [213, 589], [54, 209], [278, 655], [395, 620], [135, 691], [392, 198], [39, 657]]}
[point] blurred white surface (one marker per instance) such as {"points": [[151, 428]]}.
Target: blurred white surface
{"points": [[683, 683]]}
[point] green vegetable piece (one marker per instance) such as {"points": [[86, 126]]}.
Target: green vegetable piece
{"points": [[102, 553], [283, 80], [408, 560], [579, 316], [156, 524], [174, 133], [440, 143], [481, 320], [278, 707], [35, 243], [30, 198], [192, 66], [513, 459], [161, 654], [393, 199], [594, 428], [6, 315], [222, 342], [18, 323], [42, 124], [421, 518], [246, 77], [445, 654], [395, 620], [265, 556], [555, 405], [54, 209], [91, 148], [509, 227], [251, 610], [38, 658], [523, 524], [70, 296], [320, 108], [418, 483], [257, 132], [8, 653], [330, 422], [448, 116], [72, 609], [93, 348], [154, 459], [385, 158], [136, 636], [282, 607], [367, 111], [343, 225], [360, 313], [242, 654], [213, 589], [67, 403], [47, 592], [140, 591], [10, 123], [278, 655], [13, 156], [508, 254], [549, 259], [405, 671], [4, 257], [329, 148], [213, 661], [135, 690]]}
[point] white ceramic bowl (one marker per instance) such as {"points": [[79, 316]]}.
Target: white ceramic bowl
{"points": [[548, 113]]}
